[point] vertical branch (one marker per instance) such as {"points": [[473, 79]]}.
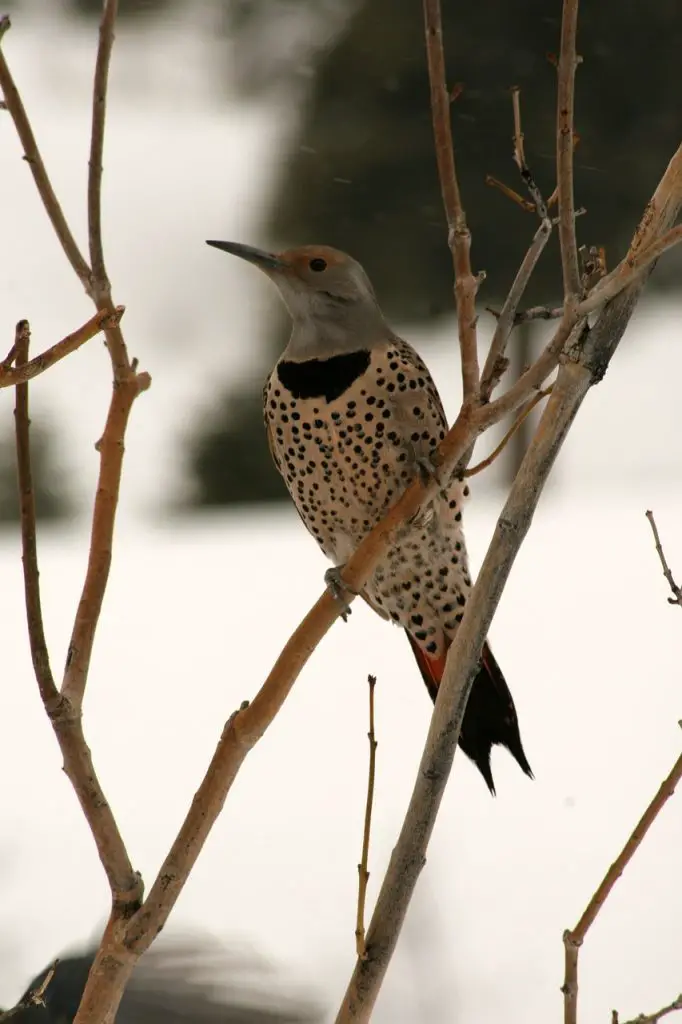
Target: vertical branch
{"points": [[111, 448], [568, 62], [29, 548], [459, 237], [99, 108], [363, 872]]}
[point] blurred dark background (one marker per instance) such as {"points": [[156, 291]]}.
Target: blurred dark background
{"points": [[357, 168]]}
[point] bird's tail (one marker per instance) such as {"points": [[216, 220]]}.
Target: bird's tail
{"points": [[490, 716]]}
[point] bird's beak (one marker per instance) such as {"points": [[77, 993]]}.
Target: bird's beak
{"points": [[267, 261]]}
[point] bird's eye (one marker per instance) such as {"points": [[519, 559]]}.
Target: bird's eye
{"points": [[318, 264]]}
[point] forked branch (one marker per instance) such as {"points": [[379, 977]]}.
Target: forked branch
{"points": [[574, 938]]}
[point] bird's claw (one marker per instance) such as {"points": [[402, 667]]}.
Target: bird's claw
{"points": [[338, 590]]}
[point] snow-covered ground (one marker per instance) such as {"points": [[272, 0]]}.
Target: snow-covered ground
{"points": [[193, 619]]}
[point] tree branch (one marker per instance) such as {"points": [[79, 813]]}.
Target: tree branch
{"points": [[34, 160], [667, 572], [363, 872], [576, 376], [111, 448], [9, 376], [100, 280], [66, 721], [459, 237], [34, 612], [568, 62], [652, 1018], [574, 938], [495, 364]]}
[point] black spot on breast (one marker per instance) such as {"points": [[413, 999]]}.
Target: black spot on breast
{"points": [[323, 378]]}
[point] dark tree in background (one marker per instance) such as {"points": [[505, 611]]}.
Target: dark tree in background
{"points": [[360, 173]]}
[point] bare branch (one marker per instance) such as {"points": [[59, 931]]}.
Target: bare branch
{"points": [[574, 380], [652, 1018], [667, 572], [363, 873], [574, 938], [10, 376], [520, 159], [111, 449], [100, 282], [568, 62], [533, 313], [35, 997], [66, 721], [34, 613], [510, 193], [508, 316], [459, 238], [634, 264], [522, 414], [34, 160]]}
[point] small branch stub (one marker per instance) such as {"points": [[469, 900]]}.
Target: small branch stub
{"points": [[667, 572]]}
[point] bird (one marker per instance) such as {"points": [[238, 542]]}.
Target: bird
{"points": [[352, 416]]}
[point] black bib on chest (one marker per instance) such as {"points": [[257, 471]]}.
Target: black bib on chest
{"points": [[323, 378]]}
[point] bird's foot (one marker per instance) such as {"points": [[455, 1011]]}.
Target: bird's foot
{"points": [[424, 464], [338, 590]]}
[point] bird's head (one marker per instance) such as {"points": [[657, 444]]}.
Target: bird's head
{"points": [[324, 290]]}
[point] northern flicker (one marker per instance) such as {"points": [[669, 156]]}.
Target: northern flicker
{"points": [[352, 415]]}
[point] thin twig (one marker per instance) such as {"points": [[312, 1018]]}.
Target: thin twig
{"points": [[495, 363], [521, 416], [652, 1018], [574, 938], [34, 612], [510, 193], [568, 62], [34, 997], [459, 237], [34, 160], [99, 107], [10, 376], [667, 571], [363, 873], [532, 313], [520, 158]]}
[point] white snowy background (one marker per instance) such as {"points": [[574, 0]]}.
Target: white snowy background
{"points": [[196, 612]]}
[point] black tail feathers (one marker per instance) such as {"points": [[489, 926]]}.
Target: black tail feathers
{"points": [[490, 716]]}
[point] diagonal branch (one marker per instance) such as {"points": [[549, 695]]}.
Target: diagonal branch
{"points": [[574, 938], [574, 380], [23, 372], [100, 280], [459, 237], [652, 1018], [667, 571], [34, 160], [495, 364], [568, 62]]}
